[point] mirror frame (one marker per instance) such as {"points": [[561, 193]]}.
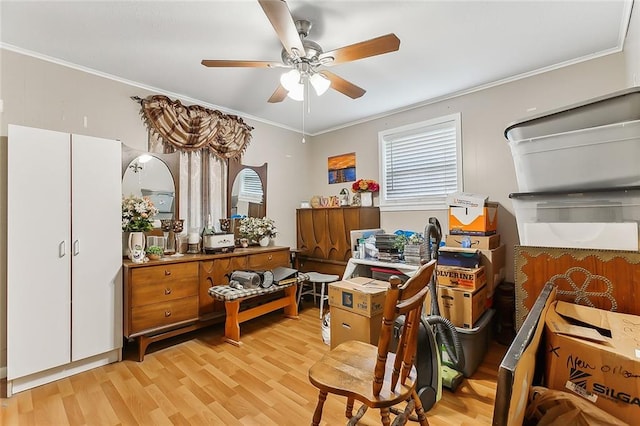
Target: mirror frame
{"points": [[234, 167], [172, 161]]}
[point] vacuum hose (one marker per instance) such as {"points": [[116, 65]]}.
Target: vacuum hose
{"points": [[446, 330]]}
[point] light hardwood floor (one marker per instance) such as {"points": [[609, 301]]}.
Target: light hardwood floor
{"points": [[199, 379]]}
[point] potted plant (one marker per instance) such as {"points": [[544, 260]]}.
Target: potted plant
{"points": [[154, 252], [137, 218], [256, 229]]}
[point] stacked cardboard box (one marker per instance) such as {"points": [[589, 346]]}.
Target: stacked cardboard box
{"points": [[465, 290], [356, 306]]}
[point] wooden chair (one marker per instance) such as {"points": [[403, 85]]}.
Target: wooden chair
{"points": [[371, 374]]}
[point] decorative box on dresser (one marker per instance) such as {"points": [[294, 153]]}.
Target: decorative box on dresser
{"points": [[324, 236], [169, 297]]}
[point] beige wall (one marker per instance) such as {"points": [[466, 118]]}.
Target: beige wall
{"points": [[487, 163]]}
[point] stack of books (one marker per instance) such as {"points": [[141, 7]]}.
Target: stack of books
{"points": [[386, 250]]}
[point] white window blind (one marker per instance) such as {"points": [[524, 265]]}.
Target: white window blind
{"points": [[250, 188], [421, 163]]}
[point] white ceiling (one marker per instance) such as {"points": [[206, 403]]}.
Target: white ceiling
{"points": [[447, 47]]}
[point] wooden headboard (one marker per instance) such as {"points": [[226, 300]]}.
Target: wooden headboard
{"points": [[604, 279]]}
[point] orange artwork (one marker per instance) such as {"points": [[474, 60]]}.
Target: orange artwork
{"points": [[342, 168]]}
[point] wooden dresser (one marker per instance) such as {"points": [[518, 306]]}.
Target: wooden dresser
{"points": [[324, 236], [168, 297]]}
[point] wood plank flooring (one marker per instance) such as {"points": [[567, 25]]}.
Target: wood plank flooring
{"points": [[199, 379]]}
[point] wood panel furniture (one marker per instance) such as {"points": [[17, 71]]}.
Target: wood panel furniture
{"points": [[59, 187], [170, 296], [604, 279], [324, 236]]}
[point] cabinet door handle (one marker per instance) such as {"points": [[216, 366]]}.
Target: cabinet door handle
{"points": [[76, 247], [62, 249], [167, 313], [167, 272], [167, 291]]}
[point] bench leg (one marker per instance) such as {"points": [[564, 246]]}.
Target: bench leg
{"points": [[232, 324], [291, 309]]}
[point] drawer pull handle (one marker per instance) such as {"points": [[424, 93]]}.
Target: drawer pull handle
{"points": [[167, 272], [167, 291], [270, 257], [167, 313]]}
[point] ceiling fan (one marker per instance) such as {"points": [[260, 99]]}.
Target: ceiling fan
{"points": [[307, 59]]}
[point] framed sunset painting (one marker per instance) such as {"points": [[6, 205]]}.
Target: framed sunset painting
{"points": [[342, 168]]}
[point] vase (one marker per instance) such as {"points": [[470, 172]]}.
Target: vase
{"points": [[136, 244], [264, 241], [366, 199]]}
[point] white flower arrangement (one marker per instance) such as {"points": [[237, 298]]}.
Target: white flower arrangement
{"points": [[137, 214], [255, 228]]}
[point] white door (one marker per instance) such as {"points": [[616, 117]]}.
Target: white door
{"points": [[38, 250], [96, 246]]}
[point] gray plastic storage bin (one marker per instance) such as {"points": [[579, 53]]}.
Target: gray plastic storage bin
{"points": [[594, 144], [596, 219], [613, 108], [475, 342]]}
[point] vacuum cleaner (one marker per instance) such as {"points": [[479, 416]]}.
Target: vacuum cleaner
{"points": [[435, 333]]}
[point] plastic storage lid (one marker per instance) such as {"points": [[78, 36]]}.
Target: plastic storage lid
{"points": [[616, 107], [574, 192]]}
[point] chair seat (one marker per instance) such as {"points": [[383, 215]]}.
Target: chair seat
{"points": [[348, 370]]}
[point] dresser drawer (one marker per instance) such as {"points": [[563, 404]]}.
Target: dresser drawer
{"points": [[268, 260], [163, 314], [163, 283]]}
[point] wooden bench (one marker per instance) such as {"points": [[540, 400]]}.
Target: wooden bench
{"points": [[232, 297]]}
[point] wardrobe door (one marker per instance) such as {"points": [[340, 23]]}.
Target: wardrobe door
{"points": [[38, 250], [96, 282]]}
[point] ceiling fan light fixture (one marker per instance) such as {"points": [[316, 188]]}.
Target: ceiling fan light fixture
{"points": [[297, 93], [290, 80], [320, 83]]}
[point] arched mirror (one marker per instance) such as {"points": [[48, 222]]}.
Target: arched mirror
{"points": [[246, 190], [155, 176]]}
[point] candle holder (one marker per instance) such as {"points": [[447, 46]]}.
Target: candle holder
{"points": [[166, 225]]}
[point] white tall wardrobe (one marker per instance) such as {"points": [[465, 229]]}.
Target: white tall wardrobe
{"points": [[64, 255]]}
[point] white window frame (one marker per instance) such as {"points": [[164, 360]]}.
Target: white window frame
{"points": [[426, 202]]}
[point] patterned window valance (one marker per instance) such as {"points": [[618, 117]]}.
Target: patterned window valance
{"points": [[191, 128]]}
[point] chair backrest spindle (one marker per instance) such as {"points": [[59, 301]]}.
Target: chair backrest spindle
{"points": [[402, 299]]}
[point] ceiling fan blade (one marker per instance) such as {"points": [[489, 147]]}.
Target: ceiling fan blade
{"points": [[280, 17], [343, 86], [278, 95], [232, 63], [364, 49]]}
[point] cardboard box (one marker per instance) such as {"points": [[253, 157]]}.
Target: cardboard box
{"points": [[484, 242], [362, 295], [583, 359], [465, 278], [473, 220], [466, 199], [347, 325], [494, 267], [462, 308]]}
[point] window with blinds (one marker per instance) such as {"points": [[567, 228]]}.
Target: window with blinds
{"points": [[250, 187], [420, 164]]}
